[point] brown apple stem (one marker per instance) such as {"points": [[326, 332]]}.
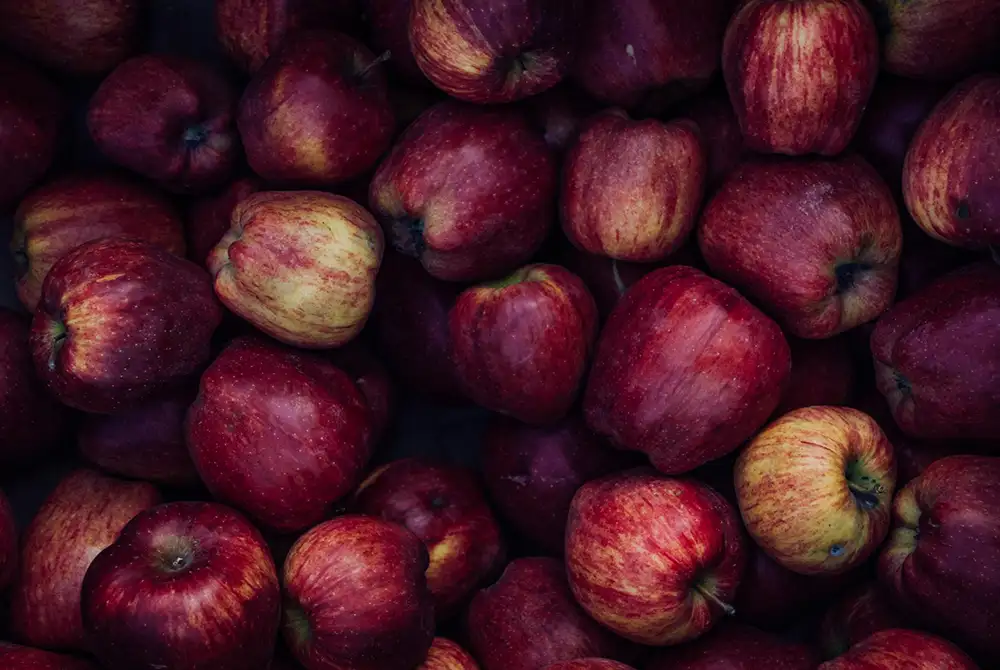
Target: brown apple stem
{"points": [[382, 57], [714, 599]]}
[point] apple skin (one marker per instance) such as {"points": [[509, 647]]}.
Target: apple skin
{"points": [[82, 516], [470, 191], [279, 433], [559, 114], [30, 119], [521, 345], [901, 649], [300, 266], [822, 374], [937, 357], [631, 190], [589, 664], [675, 533], [374, 382], [9, 549], [720, 134], [946, 534], [733, 646], [17, 657], [63, 214], [389, 30], [446, 655], [443, 506], [649, 343], [532, 473], [210, 217], [856, 617], [300, 116], [382, 618], [119, 321], [951, 169], [800, 74], [528, 619], [840, 271], [188, 586]]}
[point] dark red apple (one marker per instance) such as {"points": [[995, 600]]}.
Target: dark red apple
{"points": [[374, 382], [82, 516], [720, 133], [856, 617], [317, 112], [733, 646], [9, 549], [470, 191], [558, 114], [389, 30], [589, 664], [120, 321], [446, 655], [210, 217], [186, 586], [529, 620], [686, 370], [381, 618], [16, 657], [822, 374], [901, 649]]}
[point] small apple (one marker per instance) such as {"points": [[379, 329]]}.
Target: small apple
{"points": [[736, 646], [374, 382], [446, 655], [720, 134], [17, 657], [9, 549], [856, 617], [822, 374], [901, 649], [210, 217]]}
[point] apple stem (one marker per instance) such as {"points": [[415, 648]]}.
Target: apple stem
{"points": [[616, 275], [714, 599], [382, 58], [995, 254]]}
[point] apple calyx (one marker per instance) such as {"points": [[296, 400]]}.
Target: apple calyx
{"points": [[195, 136], [902, 383], [297, 623], [516, 277], [408, 236]]}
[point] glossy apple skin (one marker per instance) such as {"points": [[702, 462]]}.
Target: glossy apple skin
{"points": [[822, 374], [733, 646], [83, 515], [521, 345], [61, 215], [720, 134], [187, 585], [17, 657], [30, 117], [300, 266], [815, 489], [31, 421], [528, 619], [119, 321], [937, 357], [443, 506], [655, 386], [300, 116], [374, 382], [380, 619], [470, 191], [589, 664], [628, 531], [279, 433], [936, 565], [856, 617], [446, 655], [9, 548], [951, 171], [210, 217], [631, 189], [901, 649], [389, 30], [840, 271]]}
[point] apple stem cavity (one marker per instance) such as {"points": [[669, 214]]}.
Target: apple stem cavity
{"points": [[864, 488], [962, 211], [408, 236], [59, 336], [298, 623], [715, 600], [848, 275]]}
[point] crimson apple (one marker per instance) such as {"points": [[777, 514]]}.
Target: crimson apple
{"points": [[9, 549], [374, 382], [446, 655], [558, 113], [856, 617], [389, 29], [17, 657], [822, 374], [733, 646], [210, 217], [589, 664], [901, 649], [720, 134]]}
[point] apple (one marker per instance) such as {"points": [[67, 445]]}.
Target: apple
{"points": [[300, 266], [822, 374], [733, 645], [951, 168], [442, 505], [374, 382], [831, 265], [814, 489], [589, 664], [937, 357], [559, 113], [31, 421], [278, 433], [936, 565], [389, 29], [382, 618], [521, 345], [61, 215], [421, 194], [30, 118], [532, 473], [187, 585], [82, 516], [300, 116], [78, 37], [210, 217], [686, 370], [856, 617], [655, 559], [720, 134], [631, 189], [17, 657], [446, 655], [799, 74], [901, 649], [528, 619], [9, 549]]}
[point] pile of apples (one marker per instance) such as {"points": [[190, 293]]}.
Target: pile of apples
{"points": [[720, 276]]}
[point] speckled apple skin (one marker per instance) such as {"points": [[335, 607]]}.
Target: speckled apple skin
{"points": [[903, 649]]}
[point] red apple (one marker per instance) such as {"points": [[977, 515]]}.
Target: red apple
{"points": [[317, 112], [589, 664], [442, 505], [389, 28], [686, 370], [210, 217], [856, 617], [937, 357], [655, 559], [8, 544], [279, 433], [831, 264], [300, 266], [558, 114], [82, 516], [521, 345], [938, 563], [120, 321], [822, 374], [186, 586], [720, 134], [381, 618], [529, 620], [56, 218], [446, 655], [799, 74], [16, 657], [373, 380], [423, 195], [900, 649], [733, 646], [953, 165], [631, 189]]}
